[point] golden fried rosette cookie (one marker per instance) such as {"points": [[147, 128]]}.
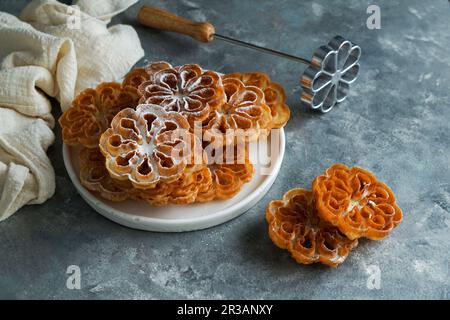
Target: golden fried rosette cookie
{"points": [[92, 111], [186, 89], [228, 173], [356, 202], [245, 112], [95, 177], [182, 191], [149, 145], [273, 94], [139, 75], [186, 191], [157, 196], [135, 78], [294, 225]]}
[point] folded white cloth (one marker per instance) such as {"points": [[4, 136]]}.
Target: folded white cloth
{"points": [[54, 50]]}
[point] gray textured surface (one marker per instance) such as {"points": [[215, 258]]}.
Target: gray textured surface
{"points": [[395, 122]]}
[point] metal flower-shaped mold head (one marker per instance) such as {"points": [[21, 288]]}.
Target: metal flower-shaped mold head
{"points": [[333, 68]]}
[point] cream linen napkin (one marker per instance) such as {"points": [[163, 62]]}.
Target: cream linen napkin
{"points": [[57, 51]]}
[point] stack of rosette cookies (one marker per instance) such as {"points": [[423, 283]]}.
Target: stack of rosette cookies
{"points": [[172, 135]]}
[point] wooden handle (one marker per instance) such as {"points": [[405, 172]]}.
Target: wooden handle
{"points": [[164, 20]]}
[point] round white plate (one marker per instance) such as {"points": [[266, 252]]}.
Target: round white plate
{"points": [[178, 218]]}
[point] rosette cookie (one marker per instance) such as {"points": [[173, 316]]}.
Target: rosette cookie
{"points": [[356, 202], [273, 93], [229, 172], [187, 89], [92, 111], [95, 177], [294, 225], [244, 113], [149, 145]]}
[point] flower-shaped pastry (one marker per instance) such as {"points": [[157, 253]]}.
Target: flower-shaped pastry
{"points": [[182, 191], [135, 78], [92, 111], [148, 145], [228, 175], [187, 190], [245, 109], [294, 225], [95, 177], [273, 93], [157, 196], [356, 202], [139, 75], [327, 80], [186, 89], [227, 181]]}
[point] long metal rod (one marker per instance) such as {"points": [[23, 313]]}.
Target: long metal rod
{"points": [[262, 49]]}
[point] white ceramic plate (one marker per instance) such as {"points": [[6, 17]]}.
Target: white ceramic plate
{"points": [[140, 215]]}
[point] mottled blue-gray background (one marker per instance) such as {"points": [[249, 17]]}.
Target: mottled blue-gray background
{"points": [[395, 122]]}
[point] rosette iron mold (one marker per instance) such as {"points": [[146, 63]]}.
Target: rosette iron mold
{"points": [[325, 82], [333, 68]]}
